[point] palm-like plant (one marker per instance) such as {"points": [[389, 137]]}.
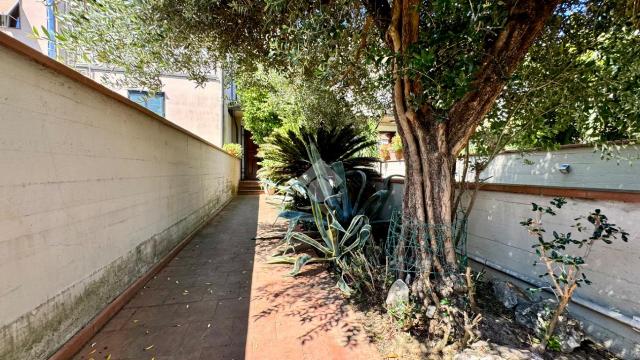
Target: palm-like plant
{"points": [[342, 192], [341, 221], [285, 155]]}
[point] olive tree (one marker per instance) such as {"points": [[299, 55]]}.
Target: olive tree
{"points": [[447, 68]]}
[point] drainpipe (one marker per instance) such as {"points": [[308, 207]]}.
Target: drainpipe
{"points": [[632, 322]]}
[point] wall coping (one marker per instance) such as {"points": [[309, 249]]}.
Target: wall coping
{"points": [[564, 147], [629, 196], [62, 69]]}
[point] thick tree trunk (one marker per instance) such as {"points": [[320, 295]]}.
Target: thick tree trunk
{"points": [[430, 163], [431, 145], [429, 187]]}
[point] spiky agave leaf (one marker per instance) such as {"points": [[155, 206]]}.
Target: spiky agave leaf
{"points": [[303, 260], [305, 239], [344, 287]]}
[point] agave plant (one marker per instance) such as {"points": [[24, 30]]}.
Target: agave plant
{"points": [[334, 245], [342, 221], [333, 185]]}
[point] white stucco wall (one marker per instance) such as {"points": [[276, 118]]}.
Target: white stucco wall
{"points": [[388, 168], [93, 192], [587, 169]]}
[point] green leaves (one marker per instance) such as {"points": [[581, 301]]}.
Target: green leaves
{"points": [[285, 154], [564, 269], [343, 233], [301, 261]]}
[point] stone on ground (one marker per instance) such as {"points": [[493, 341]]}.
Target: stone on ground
{"points": [[482, 350], [508, 294], [398, 294], [535, 315]]}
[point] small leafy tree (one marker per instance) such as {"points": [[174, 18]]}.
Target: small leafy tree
{"points": [[271, 102], [564, 269], [396, 143], [267, 103]]}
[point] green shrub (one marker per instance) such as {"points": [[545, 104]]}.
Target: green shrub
{"points": [[233, 149], [557, 253], [396, 143]]}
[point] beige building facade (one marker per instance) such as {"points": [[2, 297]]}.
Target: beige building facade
{"points": [[201, 110]]}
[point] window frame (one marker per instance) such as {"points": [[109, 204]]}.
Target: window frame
{"points": [[12, 18], [146, 96]]}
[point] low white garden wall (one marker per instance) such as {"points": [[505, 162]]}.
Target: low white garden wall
{"points": [[93, 192], [610, 308]]}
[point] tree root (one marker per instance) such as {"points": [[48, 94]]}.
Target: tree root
{"points": [[471, 290], [469, 327]]}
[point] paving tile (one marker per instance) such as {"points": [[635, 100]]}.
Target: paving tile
{"points": [[119, 320], [148, 297], [218, 299], [157, 341], [229, 352], [184, 295]]}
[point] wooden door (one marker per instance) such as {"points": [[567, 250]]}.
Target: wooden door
{"points": [[250, 157]]}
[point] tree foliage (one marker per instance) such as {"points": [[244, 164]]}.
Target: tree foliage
{"points": [[268, 102], [589, 48], [271, 101], [577, 85]]}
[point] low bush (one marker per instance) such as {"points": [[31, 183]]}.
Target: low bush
{"points": [[233, 149], [564, 269]]}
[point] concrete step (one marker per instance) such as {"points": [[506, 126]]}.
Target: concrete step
{"points": [[250, 185], [249, 192], [250, 182]]}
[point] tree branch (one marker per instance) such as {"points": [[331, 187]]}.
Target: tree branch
{"points": [[525, 21], [380, 11]]}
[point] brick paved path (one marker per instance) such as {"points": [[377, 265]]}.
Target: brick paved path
{"points": [[218, 299]]}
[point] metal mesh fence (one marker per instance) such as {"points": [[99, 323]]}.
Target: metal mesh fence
{"points": [[402, 247]]}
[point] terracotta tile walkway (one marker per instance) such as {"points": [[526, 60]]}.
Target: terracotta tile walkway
{"points": [[218, 299]]}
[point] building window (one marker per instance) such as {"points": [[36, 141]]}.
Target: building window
{"points": [[51, 29], [154, 102], [12, 18]]}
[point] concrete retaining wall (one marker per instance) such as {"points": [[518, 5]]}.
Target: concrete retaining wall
{"points": [[495, 237], [610, 308], [93, 191], [587, 168]]}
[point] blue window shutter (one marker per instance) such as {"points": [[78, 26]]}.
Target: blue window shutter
{"points": [[154, 103], [51, 28]]}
